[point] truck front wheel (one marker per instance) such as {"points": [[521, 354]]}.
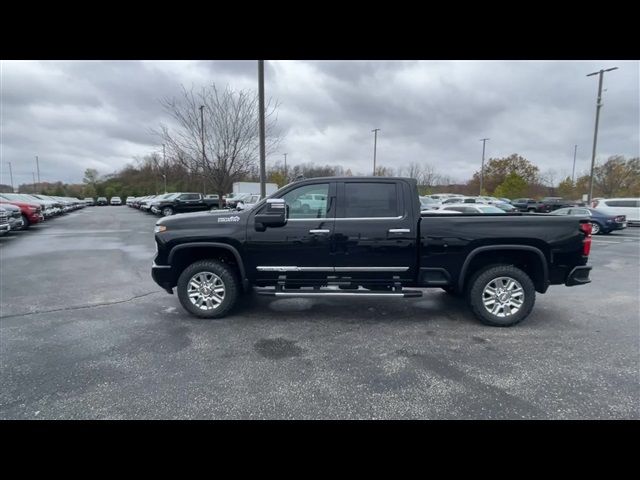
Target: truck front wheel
{"points": [[167, 211], [501, 295], [208, 289]]}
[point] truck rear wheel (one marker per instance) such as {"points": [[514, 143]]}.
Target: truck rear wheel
{"points": [[501, 295], [208, 289]]}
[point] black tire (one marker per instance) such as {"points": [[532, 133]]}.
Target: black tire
{"points": [[229, 280], [531, 210], [167, 211], [26, 222], [483, 277]]}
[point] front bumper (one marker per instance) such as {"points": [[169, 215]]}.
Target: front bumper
{"points": [[578, 276], [5, 228], [163, 276]]}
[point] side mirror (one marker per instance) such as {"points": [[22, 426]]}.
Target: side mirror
{"points": [[275, 214]]}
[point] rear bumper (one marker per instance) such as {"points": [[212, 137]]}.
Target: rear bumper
{"points": [[163, 276], [578, 276]]}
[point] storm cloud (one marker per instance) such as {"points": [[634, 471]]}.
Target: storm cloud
{"points": [[99, 114]]}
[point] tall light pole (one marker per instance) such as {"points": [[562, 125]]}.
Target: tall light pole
{"points": [[38, 168], [600, 74], [203, 154], [573, 174], [375, 146], [263, 161], [164, 167], [11, 176], [33, 175], [285, 168], [484, 141]]}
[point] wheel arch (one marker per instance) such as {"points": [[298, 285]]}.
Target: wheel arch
{"points": [[184, 254], [534, 263]]}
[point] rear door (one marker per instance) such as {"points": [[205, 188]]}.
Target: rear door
{"points": [[189, 202], [375, 230]]}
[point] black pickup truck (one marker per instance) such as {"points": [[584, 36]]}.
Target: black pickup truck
{"points": [[182, 203], [366, 236]]}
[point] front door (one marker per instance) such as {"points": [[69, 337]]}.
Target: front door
{"points": [[375, 232], [299, 250]]}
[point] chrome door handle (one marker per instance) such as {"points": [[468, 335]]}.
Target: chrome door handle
{"points": [[319, 231], [399, 230]]}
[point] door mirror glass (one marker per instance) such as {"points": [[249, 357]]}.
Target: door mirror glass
{"points": [[274, 214]]}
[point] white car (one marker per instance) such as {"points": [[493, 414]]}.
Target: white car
{"points": [[129, 200], [116, 201], [619, 206], [471, 208]]}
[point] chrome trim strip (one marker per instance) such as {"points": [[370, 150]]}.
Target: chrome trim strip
{"points": [[320, 230], [160, 266], [336, 294], [399, 230], [293, 269], [371, 269], [329, 219], [369, 218]]}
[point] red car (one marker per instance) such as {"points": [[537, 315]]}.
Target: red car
{"points": [[31, 214]]}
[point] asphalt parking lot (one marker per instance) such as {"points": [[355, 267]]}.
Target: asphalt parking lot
{"points": [[86, 334]]}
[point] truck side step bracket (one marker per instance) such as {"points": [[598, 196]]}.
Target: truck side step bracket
{"points": [[335, 293]]}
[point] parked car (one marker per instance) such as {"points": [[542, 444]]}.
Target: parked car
{"points": [[116, 201], [630, 207], [528, 205], [217, 202], [14, 216], [184, 203], [549, 204], [458, 200], [472, 208], [507, 207], [129, 200], [31, 211], [5, 227], [251, 202], [232, 199], [370, 241], [428, 203], [102, 201], [89, 201], [601, 222]]}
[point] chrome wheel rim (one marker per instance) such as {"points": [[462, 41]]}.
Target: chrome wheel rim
{"points": [[167, 212], [595, 228], [206, 291], [503, 297]]}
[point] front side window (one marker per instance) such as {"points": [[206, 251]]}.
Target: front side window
{"points": [[309, 201], [367, 200]]}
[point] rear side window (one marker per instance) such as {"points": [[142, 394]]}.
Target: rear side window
{"points": [[622, 203], [362, 200], [190, 196]]}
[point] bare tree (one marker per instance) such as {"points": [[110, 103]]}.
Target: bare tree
{"points": [[231, 135]]}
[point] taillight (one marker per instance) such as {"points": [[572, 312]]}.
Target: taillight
{"points": [[586, 243]]}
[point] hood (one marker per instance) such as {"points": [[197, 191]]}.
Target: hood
{"points": [[210, 217]]}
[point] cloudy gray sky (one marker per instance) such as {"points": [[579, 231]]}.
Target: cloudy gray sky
{"points": [[79, 114]]}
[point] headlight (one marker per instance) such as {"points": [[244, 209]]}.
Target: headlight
{"points": [[160, 228]]}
